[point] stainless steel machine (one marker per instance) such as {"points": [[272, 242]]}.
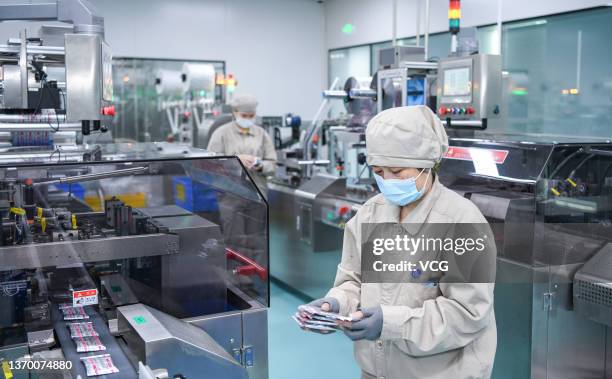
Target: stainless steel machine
{"points": [[469, 90], [550, 208], [158, 251], [58, 82]]}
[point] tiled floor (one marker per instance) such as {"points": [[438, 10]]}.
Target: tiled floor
{"points": [[295, 354]]}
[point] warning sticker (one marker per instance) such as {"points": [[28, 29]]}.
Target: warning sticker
{"points": [[467, 154], [84, 297]]}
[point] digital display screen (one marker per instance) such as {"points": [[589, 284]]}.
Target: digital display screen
{"points": [[458, 82]]}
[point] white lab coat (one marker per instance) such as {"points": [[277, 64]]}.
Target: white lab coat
{"points": [[442, 332]]}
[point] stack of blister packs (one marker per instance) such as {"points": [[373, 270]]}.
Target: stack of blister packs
{"points": [[87, 340], [314, 318]]}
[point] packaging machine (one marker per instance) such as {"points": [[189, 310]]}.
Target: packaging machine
{"points": [[127, 242], [55, 87], [550, 207]]}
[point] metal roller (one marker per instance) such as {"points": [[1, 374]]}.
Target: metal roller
{"points": [[360, 101]]}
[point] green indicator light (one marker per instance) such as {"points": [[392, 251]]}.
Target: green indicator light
{"points": [[330, 215], [348, 28], [202, 93], [139, 320], [520, 92]]}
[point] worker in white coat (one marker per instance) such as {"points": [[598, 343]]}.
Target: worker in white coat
{"points": [[248, 141], [411, 330]]}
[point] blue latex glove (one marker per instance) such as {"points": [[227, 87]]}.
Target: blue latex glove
{"points": [[333, 304], [369, 327]]}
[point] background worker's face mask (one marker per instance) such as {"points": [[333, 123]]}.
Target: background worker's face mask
{"points": [[401, 192], [244, 123]]}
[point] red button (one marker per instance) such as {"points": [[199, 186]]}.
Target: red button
{"points": [[108, 111], [470, 110], [442, 111], [344, 210]]}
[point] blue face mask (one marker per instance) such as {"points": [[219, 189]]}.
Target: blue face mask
{"points": [[400, 191]]}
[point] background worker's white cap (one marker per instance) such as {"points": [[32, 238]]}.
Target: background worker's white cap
{"points": [[406, 137], [244, 103]]}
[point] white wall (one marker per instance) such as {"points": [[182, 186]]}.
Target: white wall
{"points": [[372, 18], [276, 48]]}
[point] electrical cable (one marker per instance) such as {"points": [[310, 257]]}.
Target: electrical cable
{"points": [[571, 175], [564, 162]]}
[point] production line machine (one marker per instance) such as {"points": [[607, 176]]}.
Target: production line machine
{"points": [[550, 208], [55, 87], [120, 256], [549, 203]]}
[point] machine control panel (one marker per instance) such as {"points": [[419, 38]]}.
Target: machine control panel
{"points": [[456, 110], [337, 215], [469, 90]]}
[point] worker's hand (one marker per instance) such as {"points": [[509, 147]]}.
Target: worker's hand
{"points": [[247, 160], [327, 304], [368, 324]]}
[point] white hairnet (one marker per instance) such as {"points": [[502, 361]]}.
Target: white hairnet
{"points": [[244, 103], [406, 137]]}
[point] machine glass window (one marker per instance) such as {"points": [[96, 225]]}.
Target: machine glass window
{"points": [[149, 235]]}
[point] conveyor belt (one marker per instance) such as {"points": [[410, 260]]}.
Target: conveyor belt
{"points": [[126, 370]]}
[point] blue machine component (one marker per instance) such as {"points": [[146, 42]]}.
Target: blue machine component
{"points": [[194, 196], [416, 92], [31, 138], [293, 120], [77, 190]]}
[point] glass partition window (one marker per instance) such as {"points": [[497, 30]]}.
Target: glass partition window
{"points": [[139, 115], [488, 39], [343, 64], [556, 72]]}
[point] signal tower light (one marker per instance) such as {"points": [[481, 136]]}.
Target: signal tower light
{"points": [[454, 16]]}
